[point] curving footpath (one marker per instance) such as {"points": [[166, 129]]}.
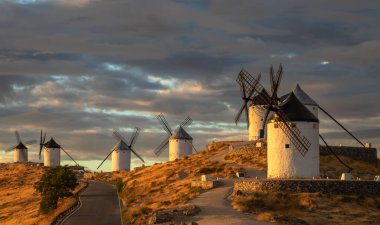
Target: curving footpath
{"points": [[99, 205], [214, 205]]}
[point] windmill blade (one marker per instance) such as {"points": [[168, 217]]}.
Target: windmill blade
{"points": [[336, 121], [164, 123], [133, 139], [10, 149], [118, 136], [105, 159], [30, 142], [161, 147], [265, 119], [137, 155], [240, 112], [18, 138], [336, 156], [42, 143], [276, 82], [271, 76], [302, 144], [187, 122], [194, 148], [69, 156]]}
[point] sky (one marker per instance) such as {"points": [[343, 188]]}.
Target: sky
{"points": [[78, 69]]}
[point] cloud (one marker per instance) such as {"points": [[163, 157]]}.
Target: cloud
{"points": [[78, 75]]}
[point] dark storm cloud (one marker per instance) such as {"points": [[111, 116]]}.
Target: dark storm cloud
{"points": [[80, 68]]}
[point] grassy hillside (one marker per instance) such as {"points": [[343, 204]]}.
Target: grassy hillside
{"points": [[147, 189], [19, 202], [309, 208]]}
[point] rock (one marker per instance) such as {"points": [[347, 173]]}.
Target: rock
{"points": [[288, 220], [174, 214]]}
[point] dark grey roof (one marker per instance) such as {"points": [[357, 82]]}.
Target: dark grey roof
{"points": [[52, 144], [295, 110], [301, 95], [121, 145], [21, 146], [258, 99], [180, 133]]}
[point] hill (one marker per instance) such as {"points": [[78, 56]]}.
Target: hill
{"points": [[19, 202], [164, 185]]}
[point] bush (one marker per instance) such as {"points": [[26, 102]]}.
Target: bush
{"points": [[119, 186], [56, 183]]}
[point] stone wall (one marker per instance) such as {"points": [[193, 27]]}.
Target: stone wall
{"points": [[353, 187], [357, 153]]}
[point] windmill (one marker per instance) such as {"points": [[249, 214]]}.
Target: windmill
{"points": [[180, 142], [20, 150], [121, 153], [252, 106], [291, 153], [314, 108], [52, 152]]}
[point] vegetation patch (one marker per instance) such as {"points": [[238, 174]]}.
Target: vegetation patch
{"points": [[309, 208], [147, 190]]}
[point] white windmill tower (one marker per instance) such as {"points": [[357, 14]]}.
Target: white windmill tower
{"points": [[20, 153], [52, 152], [255, 112], [180, 142], [292, 139], [121, 153]]}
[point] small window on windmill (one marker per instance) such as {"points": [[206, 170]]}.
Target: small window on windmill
{"points": [[315, 126], [276, 125], [287, 145]]}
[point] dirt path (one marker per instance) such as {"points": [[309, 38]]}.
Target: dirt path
{"points": [[214, 205]]}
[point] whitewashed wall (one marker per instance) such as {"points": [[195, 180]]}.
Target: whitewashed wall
{"points": [[121, 160], [20, 155], [179, 148], [288, 162], [52, 157]]}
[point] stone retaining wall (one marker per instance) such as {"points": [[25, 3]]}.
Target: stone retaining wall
{"points": [[357, 153], [323, 186]]}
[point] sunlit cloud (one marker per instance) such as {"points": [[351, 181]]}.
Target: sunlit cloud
{"points": [[113, 67], [325, 62]]}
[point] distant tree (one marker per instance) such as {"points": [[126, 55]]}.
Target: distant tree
{"points": [[56, 183]]}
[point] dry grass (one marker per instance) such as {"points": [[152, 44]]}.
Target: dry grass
{"points": [[315, 208], [255, 158], [331, 167], [19, 202], [147, 189], [311, 208]]}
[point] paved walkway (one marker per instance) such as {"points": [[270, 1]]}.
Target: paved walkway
{"points": [[100, 206], [216, 208]]}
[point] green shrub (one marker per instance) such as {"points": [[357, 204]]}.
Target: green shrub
{"points": [[56, 183], [119, 186]]}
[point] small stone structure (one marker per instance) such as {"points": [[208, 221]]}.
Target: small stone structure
{"points": [[357, 153], [208, 184], [348, 187], [176, 213]]}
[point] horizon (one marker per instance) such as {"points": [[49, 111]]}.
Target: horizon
{"points": [[78, 69]]}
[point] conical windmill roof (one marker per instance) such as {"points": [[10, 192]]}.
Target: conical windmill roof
{"points": [[21, 146], [303, 97], [258, 99], [295, 110], [52, 144], [121, 145], [180, 133]]}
